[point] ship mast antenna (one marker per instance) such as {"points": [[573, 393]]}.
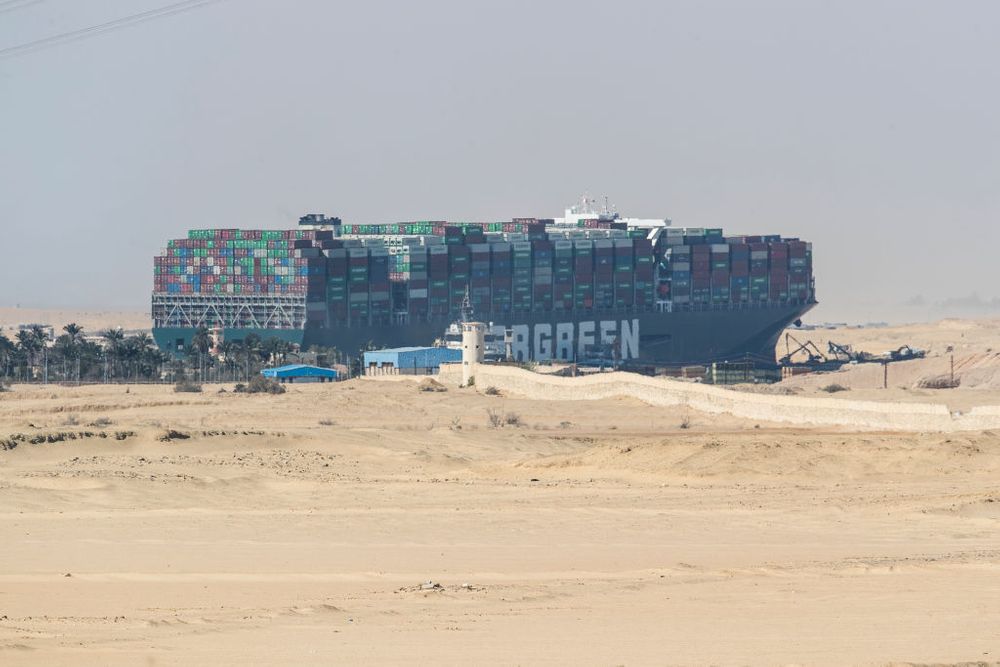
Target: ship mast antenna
{"points": [[466, 306]]}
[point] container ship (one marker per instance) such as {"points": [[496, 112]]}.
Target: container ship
{"points": [[589, 285]]}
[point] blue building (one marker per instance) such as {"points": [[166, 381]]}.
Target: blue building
{"points": [[409, 360], [300, 373]]}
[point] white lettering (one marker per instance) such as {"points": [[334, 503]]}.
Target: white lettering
{"points": [[564, 341], [630, 339], [519, 342], [608, 329], [586, 338], [543, 342]]}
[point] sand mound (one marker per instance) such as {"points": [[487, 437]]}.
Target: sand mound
{"points": [[430, 384], [745, 456]]}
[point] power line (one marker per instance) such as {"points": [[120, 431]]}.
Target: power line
{"points": [[6, 6], [101, 28]]}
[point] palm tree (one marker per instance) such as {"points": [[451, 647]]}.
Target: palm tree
{"points": [[91, 360], [142, 355], [153, 361], [31, 341], [131, 353], [251, 351], [277, 350], [229, 352], [71, 346], [202, 340], [112, 344], [8, 351], [74, 331]]}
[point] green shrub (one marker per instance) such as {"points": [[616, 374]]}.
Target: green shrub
{"points": [[262, 385], [187, 386]]}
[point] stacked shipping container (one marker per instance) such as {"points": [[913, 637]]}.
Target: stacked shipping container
{"points": [[378, 274], [233, 261]]}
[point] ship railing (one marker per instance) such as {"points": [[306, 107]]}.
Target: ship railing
{"points": [[401, 319]]}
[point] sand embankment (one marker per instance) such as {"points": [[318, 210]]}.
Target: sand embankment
{"points": [[798, 410]]}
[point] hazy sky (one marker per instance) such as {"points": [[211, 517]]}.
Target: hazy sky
{"points": [[869, 128]]}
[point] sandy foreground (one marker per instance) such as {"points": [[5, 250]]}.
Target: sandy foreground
{"points": [[298, 529]]}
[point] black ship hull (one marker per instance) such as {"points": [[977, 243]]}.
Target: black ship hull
{"points": [[694, 336]]}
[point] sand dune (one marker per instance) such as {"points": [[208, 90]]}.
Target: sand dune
{"points": [[92, 321], [595, 533], [975, 346]]}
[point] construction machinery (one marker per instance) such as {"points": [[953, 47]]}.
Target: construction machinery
{"points": [[847, 354], [809, 347], [905, 353]]}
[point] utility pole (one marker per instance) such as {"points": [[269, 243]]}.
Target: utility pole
{"points": [[951, 382], [885, 374]]}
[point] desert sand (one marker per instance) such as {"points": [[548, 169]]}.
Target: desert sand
{"points": [[302, 529], [93, 321]]}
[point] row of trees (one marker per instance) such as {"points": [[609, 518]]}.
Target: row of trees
{"points": [[33, 356]]}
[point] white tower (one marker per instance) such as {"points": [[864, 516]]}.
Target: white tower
{"points": [[473, 352]]}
